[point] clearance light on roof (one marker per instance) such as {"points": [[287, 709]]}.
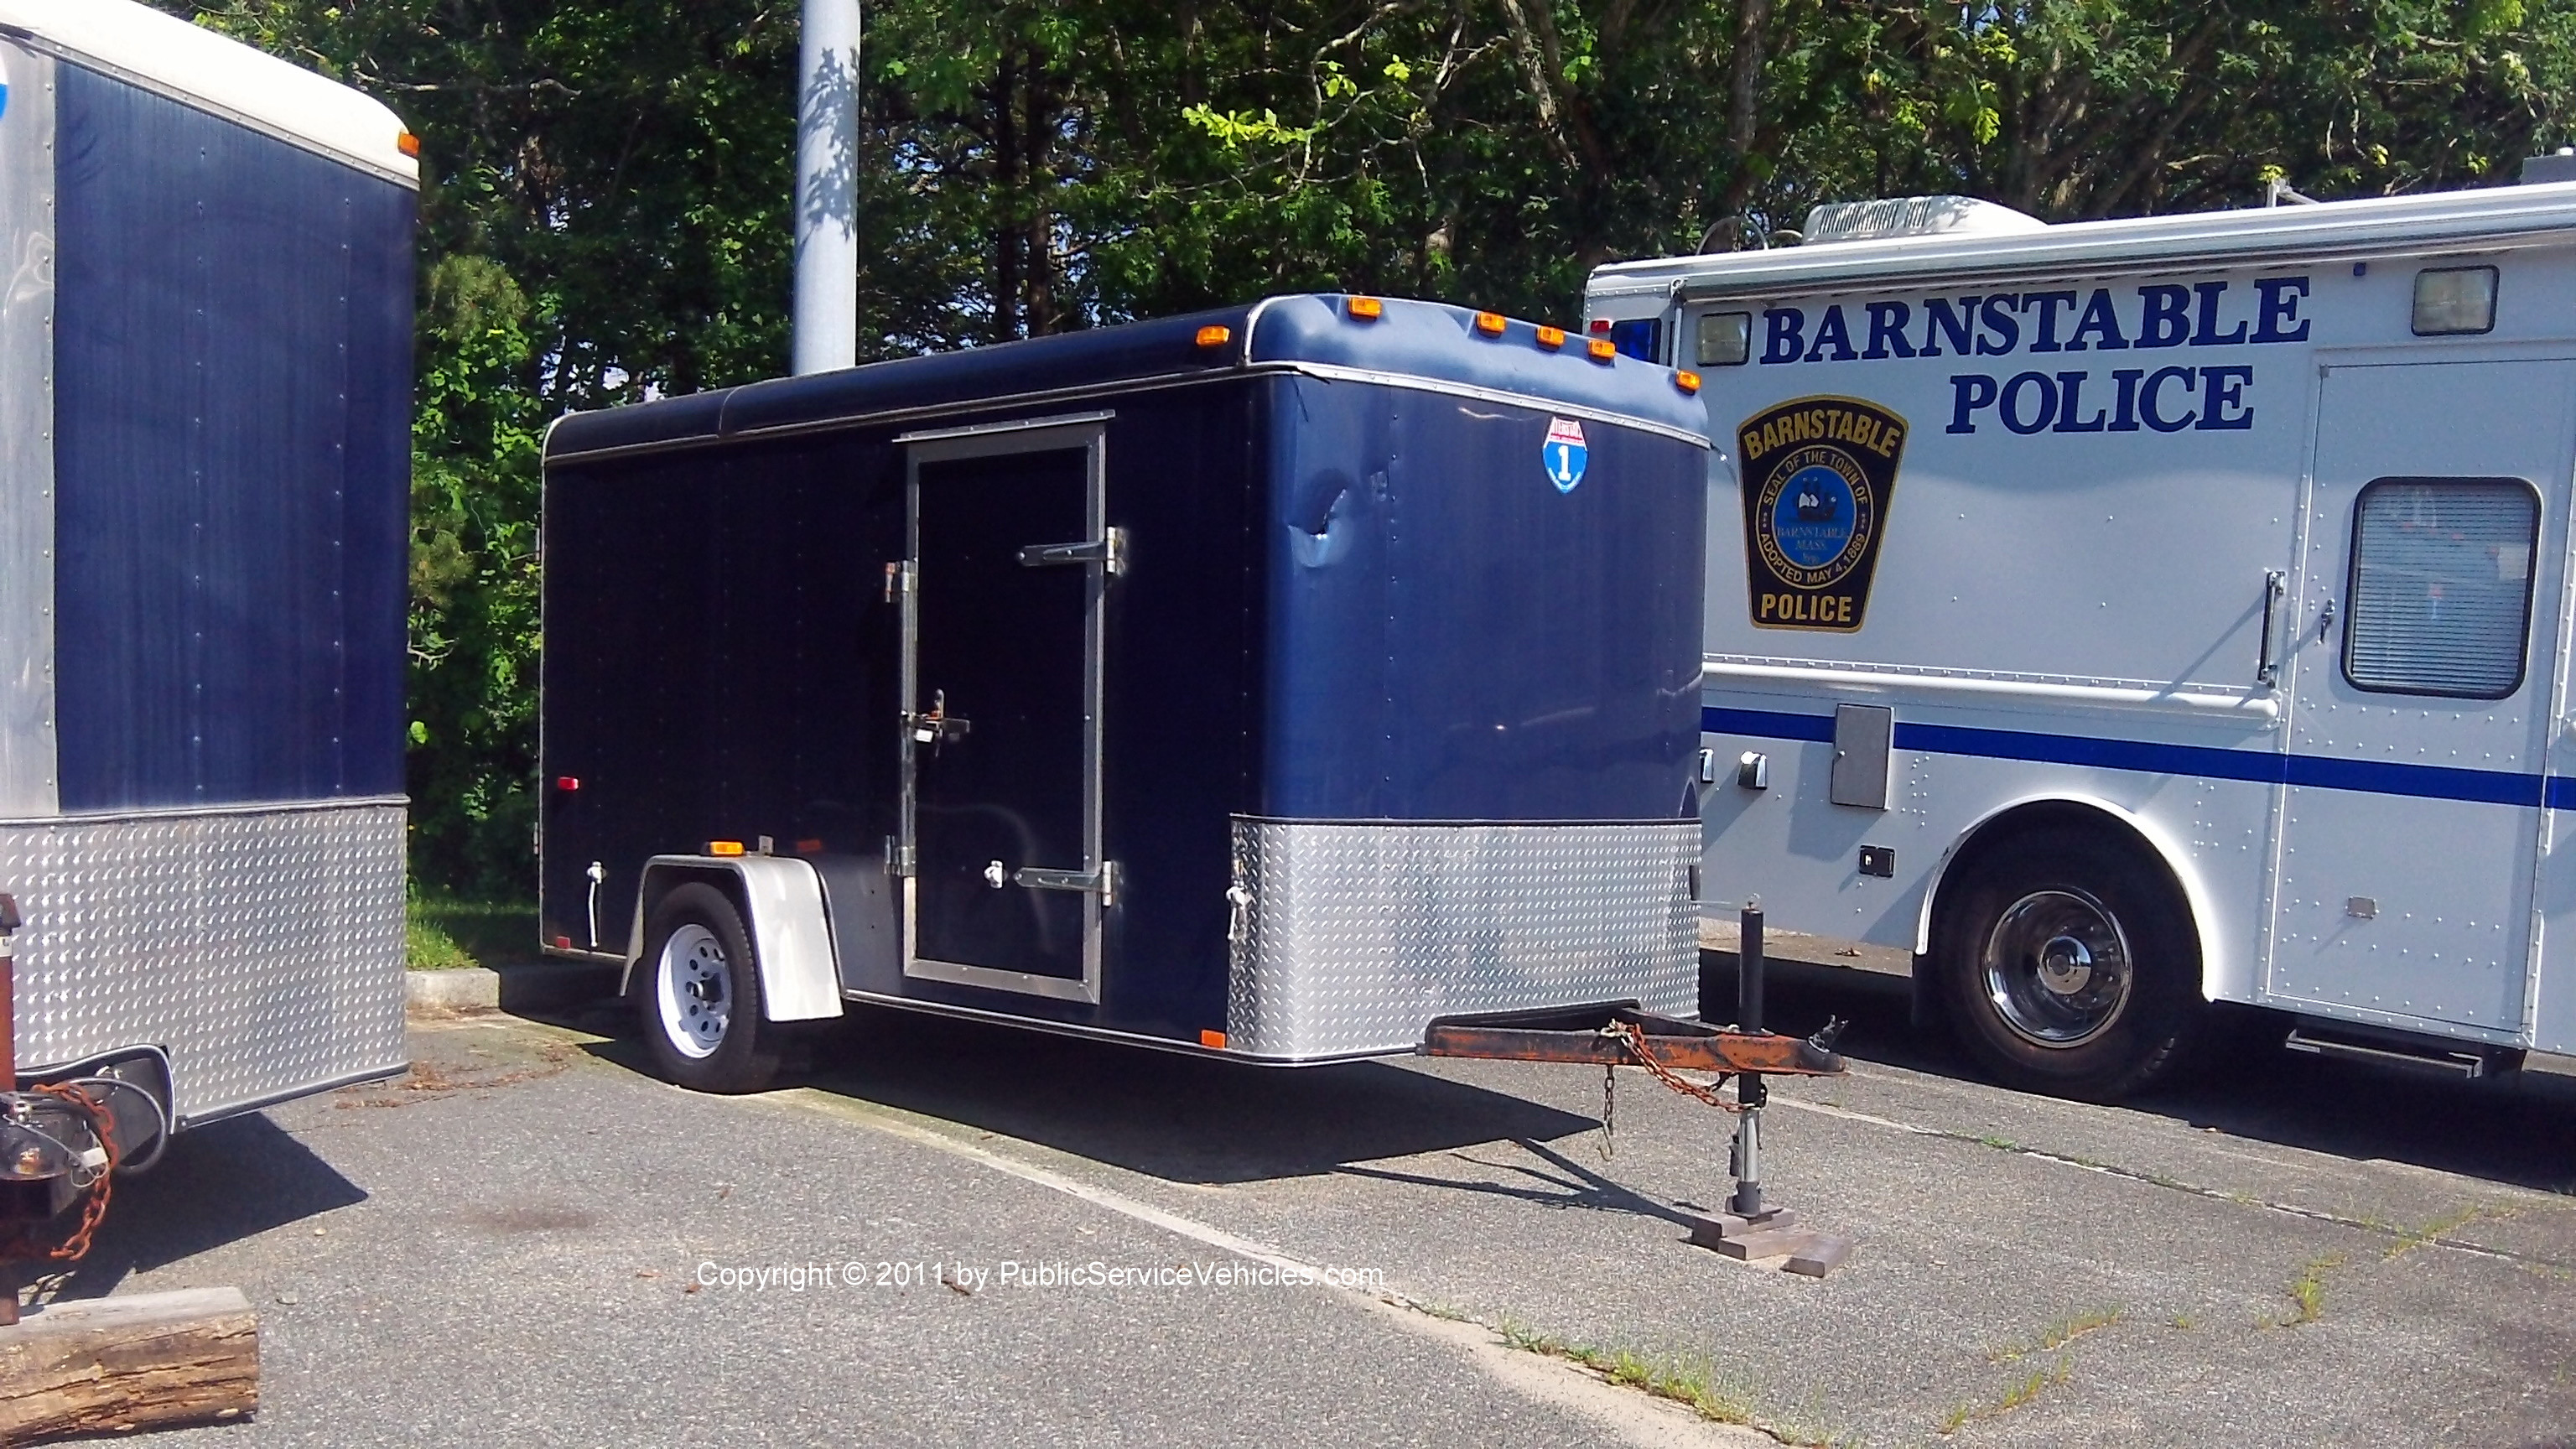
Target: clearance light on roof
{"points": [[724, 847], [1600, 324], [1490, 323], [1686, 380], [1215, 336], [408, 144], [1602, 349], [1366, 309], [1551, 338]]}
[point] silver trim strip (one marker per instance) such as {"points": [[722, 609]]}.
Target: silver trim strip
{"points": [[181, 1122], [1334, 372], [1015, 425], [200, 104], [28, 738], [1102, 1033], [184, 812]]}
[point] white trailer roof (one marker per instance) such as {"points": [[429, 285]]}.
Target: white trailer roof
{"points": [[2446, 222], [199, 68]]}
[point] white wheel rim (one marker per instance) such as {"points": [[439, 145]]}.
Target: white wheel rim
{"points": [[694, 991]]}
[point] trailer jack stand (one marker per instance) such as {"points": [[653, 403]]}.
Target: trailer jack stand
{"points": [[1617, 1034]]}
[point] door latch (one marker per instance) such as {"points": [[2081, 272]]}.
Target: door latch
{"points": [[936, 726], [2325, 621], [1102, 882], [1109, 551]]}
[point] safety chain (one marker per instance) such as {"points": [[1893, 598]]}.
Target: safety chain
{"points": [[23, 1247], [1634, 1038]]}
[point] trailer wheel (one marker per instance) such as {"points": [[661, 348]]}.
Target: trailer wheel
{"points": [[2070, 966], [699, 995]]}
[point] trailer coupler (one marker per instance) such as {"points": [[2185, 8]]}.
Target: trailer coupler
{"points": [[1622, 1033], [55, 1151]]}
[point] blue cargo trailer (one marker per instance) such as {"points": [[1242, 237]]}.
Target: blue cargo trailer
{"points": [[205, 390], [1267, 682]]}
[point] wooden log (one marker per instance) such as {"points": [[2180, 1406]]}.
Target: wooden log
{"points": [[145, 1361]]}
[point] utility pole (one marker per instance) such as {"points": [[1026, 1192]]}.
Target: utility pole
{"points": [[824, 331]]}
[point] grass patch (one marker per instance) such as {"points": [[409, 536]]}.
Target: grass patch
{"points": [[2058, 1334], [443, 934], [2015, 1395], [2308, 1292], [1692, 1383], [2408, 1240]]}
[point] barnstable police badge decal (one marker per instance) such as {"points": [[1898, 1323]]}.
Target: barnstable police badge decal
{"points": [[1818, 476]]}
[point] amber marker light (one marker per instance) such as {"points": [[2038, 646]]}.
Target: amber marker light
{"points": [[1215, 335], [1490, 323], [1686, 380], [1602, 349], [1214, 1040], [1367, 309], [724, 847], [1551, 338], [408, 144]]}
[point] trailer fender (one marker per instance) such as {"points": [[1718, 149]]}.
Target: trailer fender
{"points": [[2222, 975], [782, 909]]}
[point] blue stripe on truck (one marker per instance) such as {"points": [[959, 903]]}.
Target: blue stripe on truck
{"points": [[2432, 782]]}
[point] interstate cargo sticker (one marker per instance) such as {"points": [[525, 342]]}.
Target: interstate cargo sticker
{"points": [[1819, 473], [1564, 453]]}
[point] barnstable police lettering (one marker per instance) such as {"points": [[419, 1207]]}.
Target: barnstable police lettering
{"points": [[2203, 396], [1818, 474]]}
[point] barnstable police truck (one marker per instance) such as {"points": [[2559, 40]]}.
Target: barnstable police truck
{"points": [[2124, 617]]}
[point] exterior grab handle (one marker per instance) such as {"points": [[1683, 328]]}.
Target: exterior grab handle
{"points": [[2267, 670]]}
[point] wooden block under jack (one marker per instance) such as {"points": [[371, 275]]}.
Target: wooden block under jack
{"points": [[1708, 1232], [1818, 1255], [145, 1361], [1764, 1242]]}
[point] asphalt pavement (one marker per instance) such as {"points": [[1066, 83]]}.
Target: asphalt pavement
{"points": [[946, 1233]]}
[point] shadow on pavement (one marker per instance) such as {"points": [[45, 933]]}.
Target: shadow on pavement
{"points": [[2519, 1129], [1181, 1118], [218, 1184]]}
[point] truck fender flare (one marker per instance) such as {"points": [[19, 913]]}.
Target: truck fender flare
{"points": [[781, 899], [2216, 963]]}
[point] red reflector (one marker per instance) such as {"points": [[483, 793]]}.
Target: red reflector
{"points": [[1600, 324], [567, 782], [809, 847], [563, 943]]}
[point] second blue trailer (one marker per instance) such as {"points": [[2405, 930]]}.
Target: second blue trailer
{"points": [[1267, 682]]}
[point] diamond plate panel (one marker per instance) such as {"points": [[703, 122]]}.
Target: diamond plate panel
{"points": [[262, 949], [1355, 936]]}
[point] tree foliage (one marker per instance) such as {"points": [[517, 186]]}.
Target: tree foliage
{"points": [[608, 182]]}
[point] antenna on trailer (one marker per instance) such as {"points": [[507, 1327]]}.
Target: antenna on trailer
{"points": [[824, 331]]}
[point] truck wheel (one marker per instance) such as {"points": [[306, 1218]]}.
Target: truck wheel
{"points": [[2069, 966], [699, 995]]}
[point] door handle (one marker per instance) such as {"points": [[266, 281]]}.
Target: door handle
{"points": [[936, 726], [2267, 670], [2325, 621], [1109, 551]]}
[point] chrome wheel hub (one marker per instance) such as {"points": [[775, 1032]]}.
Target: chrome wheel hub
{"points": [[2057, 968]]}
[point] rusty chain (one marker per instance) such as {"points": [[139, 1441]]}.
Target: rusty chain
{"points": [[1633, 1037]]}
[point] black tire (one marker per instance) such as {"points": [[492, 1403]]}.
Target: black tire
{"points": [[697, 995], [2068, 965]]}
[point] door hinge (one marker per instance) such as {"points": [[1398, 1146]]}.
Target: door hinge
{"points": [[1110, 551], [899, 577], [898, 858], [1102, 882]]}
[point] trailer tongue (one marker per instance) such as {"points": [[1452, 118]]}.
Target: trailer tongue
{"points": [[1616, 1034]]}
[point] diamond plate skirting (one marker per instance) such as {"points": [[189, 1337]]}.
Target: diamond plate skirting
{"points": [[1355, 936], [262, 948]]}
